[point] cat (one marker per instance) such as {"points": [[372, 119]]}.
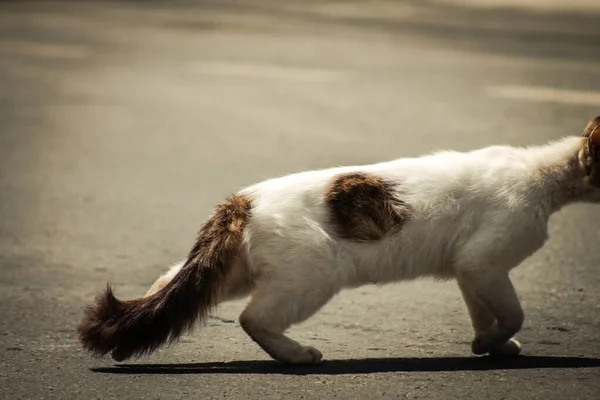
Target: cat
{"points": [[292, 243]]}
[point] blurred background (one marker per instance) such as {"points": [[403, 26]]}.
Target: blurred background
{"points": [[123, 123]]}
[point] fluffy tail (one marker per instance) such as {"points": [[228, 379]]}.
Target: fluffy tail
{"points": [[140, 326]]}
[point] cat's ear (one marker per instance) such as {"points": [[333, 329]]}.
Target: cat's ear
{"points": [[591, 127], [592, 151]]}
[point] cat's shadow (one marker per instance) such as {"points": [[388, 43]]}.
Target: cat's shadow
{"points": [[359, 366]]}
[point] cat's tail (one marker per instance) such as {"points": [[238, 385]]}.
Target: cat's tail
{"points": [[137, 327]]}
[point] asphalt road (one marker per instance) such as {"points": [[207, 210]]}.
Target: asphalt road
{"points": [[121, 125]]}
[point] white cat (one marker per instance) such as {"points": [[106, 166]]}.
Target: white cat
{"points": [[293, 243]]}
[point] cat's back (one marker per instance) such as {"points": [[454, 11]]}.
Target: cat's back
{"points": [[481, 175], [447, 174]]}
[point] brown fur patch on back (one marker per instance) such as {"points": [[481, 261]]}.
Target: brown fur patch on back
{"points": [[139, 326], [364, 208]]}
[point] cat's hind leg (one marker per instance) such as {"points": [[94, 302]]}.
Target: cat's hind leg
{"points": [[274, 308], [495, 312]]}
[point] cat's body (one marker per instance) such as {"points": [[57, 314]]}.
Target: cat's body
{"points": [[294, 242]]}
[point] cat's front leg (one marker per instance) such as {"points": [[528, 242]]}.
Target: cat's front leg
{"points": [[481, 317], [495, 312]]}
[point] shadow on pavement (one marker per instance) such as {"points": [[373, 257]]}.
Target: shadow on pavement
{"points": [[362, 366]]}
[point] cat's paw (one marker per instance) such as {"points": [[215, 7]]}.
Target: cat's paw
{"points": [[317, 356], [306, 355], [481, 344], [484, 344], [508, 349]]}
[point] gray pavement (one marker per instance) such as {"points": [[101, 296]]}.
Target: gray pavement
{"points": [[123, 123]]}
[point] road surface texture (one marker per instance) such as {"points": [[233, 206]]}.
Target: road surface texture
{"points": [[122, 124]]}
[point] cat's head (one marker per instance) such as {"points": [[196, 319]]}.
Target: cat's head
{"points": [[591, 152]]}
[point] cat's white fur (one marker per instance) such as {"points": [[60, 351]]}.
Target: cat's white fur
{"points": [[473, 217]]}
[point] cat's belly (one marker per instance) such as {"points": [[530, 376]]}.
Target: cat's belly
{"points": [[394, 260]]}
